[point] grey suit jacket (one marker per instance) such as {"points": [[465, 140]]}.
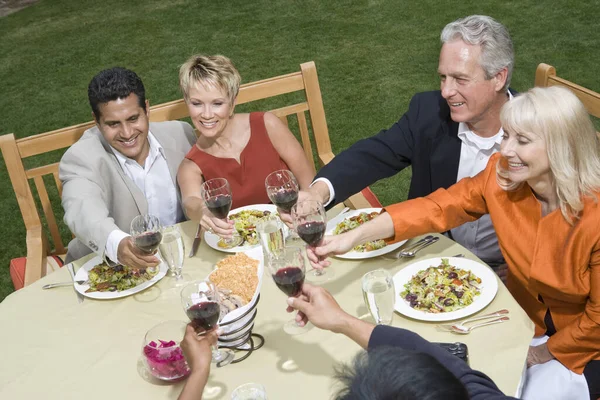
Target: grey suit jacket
{"points": [[97, 195]]}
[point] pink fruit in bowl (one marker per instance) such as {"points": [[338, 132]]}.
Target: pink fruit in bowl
{"points": [[164, 358]]}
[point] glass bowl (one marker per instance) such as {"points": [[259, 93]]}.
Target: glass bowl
{"points": [[161, 352]]}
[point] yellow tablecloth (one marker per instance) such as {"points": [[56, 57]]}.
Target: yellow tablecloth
{"points": [[55, 348]]}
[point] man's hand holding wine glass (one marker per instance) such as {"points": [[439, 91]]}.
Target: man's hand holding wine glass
{"points": [[132, 256]]}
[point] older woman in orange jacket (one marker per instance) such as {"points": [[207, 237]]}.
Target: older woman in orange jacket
{"points": [[541, 192]]}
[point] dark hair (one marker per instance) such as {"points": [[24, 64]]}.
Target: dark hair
{"points": [[392, 373], [112, 84]]}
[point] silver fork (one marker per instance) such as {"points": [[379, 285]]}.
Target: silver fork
{"points": [[449, 327], [59, 284], [413, 251], [463, 330]]}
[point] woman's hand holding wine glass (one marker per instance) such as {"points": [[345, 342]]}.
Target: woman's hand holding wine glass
{"points": [[218, 199]]}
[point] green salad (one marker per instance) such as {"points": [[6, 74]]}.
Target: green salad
{"points": [[354, 222], [104, 278], [245, 223], [440, 289]]}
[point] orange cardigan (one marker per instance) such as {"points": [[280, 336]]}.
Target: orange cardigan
{"points": [[551, 264]]}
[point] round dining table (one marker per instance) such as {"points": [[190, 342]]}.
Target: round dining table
{"points": [[54, 347]]}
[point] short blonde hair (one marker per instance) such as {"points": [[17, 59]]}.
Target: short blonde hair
{"points": [[215, 70], [573, 148]]}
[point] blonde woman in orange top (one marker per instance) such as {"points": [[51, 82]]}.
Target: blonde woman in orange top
{"points": [[541, 192]]}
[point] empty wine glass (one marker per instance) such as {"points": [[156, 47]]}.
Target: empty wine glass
{"points": [[282, 189], [202, 304], [217, 196], [146, 232], [287, 270], [310, 223], [172, 251]]}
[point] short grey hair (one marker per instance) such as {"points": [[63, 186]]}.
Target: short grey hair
{"points": [[493, 37]]}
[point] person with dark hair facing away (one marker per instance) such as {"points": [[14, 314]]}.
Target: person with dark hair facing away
{"points": [[123, 167], [397, 374], [399, 364]]}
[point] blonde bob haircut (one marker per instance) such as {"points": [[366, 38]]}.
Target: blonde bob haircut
{"points": [[217, 71], [573, 149]]}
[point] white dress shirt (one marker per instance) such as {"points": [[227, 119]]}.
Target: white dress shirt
{"points": [[154, 180], [479, 237]]}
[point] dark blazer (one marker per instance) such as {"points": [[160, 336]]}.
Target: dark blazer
{"points": [[479, 385], [425, 138]]}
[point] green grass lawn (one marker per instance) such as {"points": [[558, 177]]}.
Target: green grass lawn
{"points": [[371, 56]]}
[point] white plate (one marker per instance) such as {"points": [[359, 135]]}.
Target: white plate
{"points": [[82, 275], [357, 255], [212, 240], [488, 288]]}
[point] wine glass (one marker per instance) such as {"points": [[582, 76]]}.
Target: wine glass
{"points": [[310, 223], [172, 251], [249, 391], [217, 196], [287, 270], [146, 231], [282, 189], [202, 304]]}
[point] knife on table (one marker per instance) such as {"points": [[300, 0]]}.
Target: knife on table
{"points": [[196, 242], [72, 272]]}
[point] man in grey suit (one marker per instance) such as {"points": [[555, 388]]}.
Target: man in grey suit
{"points": [[123, 167]]}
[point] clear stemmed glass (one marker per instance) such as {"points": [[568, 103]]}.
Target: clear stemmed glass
{"points": [[310, 223], [202, 304], [217, 196], [172, 251], [287, 270]]}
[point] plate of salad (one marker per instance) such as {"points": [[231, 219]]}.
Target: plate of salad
{"points": [[245, 220], [112, 282], [353, 219], [444, 288]]}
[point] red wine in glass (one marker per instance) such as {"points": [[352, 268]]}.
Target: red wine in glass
{"points": [[311, 232], [204, 315], [219, 205], [289, 280], [148, 241], [282, 188], [285, 199]]}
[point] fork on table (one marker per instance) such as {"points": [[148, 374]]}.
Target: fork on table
{"points": [[451, 327]]}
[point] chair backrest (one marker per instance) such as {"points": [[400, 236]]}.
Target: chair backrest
{"points": [[545, 75], [304, 83]]}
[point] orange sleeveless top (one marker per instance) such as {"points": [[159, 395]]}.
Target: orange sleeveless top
{"points": [[246, 178]]}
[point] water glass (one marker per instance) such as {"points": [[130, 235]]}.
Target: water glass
{"points": [[379, 295], [270, 232], [249, 391], [172, 252]]}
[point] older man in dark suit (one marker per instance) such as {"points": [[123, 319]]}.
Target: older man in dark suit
{"points": [[445, 135]]}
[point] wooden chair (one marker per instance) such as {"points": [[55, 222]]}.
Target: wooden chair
{"points": [[545, 76], [15, 151]]}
